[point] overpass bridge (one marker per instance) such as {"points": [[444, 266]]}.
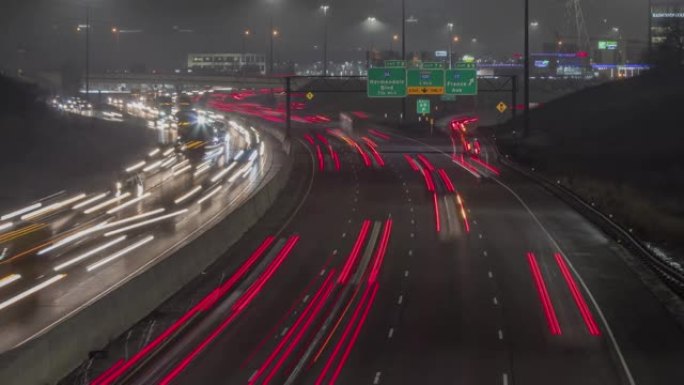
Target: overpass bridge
{"points": [[127, 82]]}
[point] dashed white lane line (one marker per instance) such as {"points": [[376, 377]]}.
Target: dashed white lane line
{"points": [[390, 333], [496, 301], [335, 252], [406, 273], [344, 235], [500, 334], [306, 298], [400, 300], [410, 252], [284, 331], [376, 380], [413, 221], [322, 272], [474, 222], [349, 221], [490, 275], [479, 236], [504, 378], [413, 235], [411, 209], [485, 253]]}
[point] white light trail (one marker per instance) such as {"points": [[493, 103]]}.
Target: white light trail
{"points": [[136, 166], [134, 218], [6, 226], [223, 172], [209, 194], [168, 162], [120, 253], [168, 151], [89, 253], [72, 237], [187, 195], [201, 170], [181, 170], [89, 201], [30, 291], [21, 211], [145, 223], [9, 279], [52, 207], [107, 203], [152, 166], [154, 152], [129, 203]]}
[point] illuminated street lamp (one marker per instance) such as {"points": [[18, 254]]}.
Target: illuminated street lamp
{"points": [[325, 9], [450, 26]]}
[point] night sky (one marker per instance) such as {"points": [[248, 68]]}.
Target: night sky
{"points": [[42, 33]]}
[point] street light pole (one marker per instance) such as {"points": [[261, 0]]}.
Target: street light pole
{"points": [[272, 34], [451, 32], [526, 98], [87, 53], [325, 39], [403, 51]]}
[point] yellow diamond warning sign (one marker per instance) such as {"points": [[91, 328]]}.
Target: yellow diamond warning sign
{"points": [[502, 107]]}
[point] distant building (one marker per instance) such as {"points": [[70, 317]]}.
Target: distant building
{"points": [[227, 63], [664, 14]]}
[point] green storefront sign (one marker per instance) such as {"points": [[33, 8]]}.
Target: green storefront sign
{"points": [[386, 82], [462, 80]]}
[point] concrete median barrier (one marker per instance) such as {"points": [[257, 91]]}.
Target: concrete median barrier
{"points": [[61, 348]]}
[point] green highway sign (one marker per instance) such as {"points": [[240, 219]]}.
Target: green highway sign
{"points": [[425, 81], [462, 80], [433, 65], [423, 106], [386, 82], [395, 63]]}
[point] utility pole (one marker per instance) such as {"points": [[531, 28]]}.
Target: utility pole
{"points": [[650, 30], [325, 9], [87, 53], [270, 54], [403, 52], [526, 98], [451, 32]]}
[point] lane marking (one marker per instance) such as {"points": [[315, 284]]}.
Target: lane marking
{"points": [[406, 273], [390, 333], [400, 300], [500, 334], [376, 380], [496, 301], [490, 275]]}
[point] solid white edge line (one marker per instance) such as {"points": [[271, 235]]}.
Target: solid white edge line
{"points": [[609, 331]]}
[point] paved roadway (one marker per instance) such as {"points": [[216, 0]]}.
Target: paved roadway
{"points": [[72, 247], [514, 286]]}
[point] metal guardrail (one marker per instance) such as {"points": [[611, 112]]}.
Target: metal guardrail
{"points": [[671, 276]]}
